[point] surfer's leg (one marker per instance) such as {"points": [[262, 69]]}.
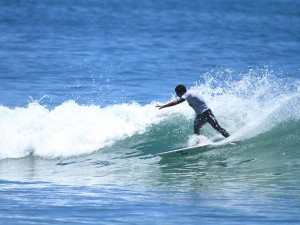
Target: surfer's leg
{"points": [[211, 119], [198, 123]]}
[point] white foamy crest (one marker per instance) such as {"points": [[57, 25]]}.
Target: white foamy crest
{"points": [[69, 129], [250, 103], [198, 140]]}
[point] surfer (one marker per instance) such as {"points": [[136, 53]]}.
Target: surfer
{"points": [[203, 112]]}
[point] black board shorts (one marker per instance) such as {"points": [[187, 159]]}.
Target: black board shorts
{"points": [[208, 117]]}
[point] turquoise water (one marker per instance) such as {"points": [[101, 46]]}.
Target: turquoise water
{"points": [[79, 127]]}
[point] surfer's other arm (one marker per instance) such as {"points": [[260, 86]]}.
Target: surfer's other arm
{"points": [[172, 103]]}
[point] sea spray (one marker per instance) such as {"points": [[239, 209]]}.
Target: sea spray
{"points": [[251, 102]]}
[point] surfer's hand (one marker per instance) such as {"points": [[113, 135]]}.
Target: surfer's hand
{"points": [[159, 106]]}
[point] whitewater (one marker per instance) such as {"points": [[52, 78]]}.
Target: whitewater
{"points": [[247, 107]]}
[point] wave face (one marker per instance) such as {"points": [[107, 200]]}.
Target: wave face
{"points": [[256, 106]]}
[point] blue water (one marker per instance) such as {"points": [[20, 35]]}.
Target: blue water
{"points": [[79, 81]]}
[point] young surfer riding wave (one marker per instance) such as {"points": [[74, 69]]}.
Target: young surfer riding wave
{"points": [[203, 112]]}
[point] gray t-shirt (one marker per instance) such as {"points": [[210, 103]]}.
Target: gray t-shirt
{"points": [[195, 101]]}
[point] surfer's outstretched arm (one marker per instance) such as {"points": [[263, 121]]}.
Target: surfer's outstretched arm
{"points": [[172, 103]]}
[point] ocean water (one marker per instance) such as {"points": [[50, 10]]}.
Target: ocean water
{"points": [[79, 81]]}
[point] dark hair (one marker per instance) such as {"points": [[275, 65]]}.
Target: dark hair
{"points": [[180, 89]]}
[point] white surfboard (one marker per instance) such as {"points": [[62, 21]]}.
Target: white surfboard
{"points": [[193, 149], [185, 151]]}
